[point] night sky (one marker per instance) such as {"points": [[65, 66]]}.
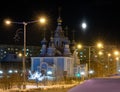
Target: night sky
{"points": [[102, 18]]}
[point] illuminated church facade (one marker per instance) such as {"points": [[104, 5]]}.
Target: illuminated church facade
{"points": [[55, 57]]}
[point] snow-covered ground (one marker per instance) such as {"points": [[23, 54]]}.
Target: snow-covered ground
{"points": [[33, 87]]}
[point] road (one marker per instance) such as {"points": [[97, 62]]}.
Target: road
{"points": [[111, 84]]}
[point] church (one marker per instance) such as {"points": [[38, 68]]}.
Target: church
{"points": [[55, 58]]}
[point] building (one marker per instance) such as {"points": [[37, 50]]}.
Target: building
{"points": [[55, 57], [103, 64], [10, 59]]}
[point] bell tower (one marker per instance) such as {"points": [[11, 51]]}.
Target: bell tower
{"points": [[59, 34]]}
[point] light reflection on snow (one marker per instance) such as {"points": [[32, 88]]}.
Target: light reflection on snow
{"points": [[39, 76]]}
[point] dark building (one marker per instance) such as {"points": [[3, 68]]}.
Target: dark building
{"points": [[10, 61]]}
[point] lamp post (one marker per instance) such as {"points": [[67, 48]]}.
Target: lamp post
{"points": [[109, 63], [99, 45], [42, 20], [89, 48], [117, 54]]}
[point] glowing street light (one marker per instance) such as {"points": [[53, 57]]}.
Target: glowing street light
{"points": [[117, 58], [100, 45], [10, 71], [8, 22], [79, 46], [1, 72], [20, 54], [42, 20], [109, 54], [100, 53], [116, 53]]}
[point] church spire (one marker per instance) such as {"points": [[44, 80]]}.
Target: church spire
{"points": [[73, 47], [59, 34], [59, 20]]}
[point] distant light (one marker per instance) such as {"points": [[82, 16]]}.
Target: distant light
{"points": [[10, 71], [116, 53], [106, 66], [1, 71], [82, 73], [77, 75], [117, 58], [96, 56], [100, 53], [109, 54], [15, 71], [20, 54], [91, 71], [27, 49], [84, 25], [119, 70], [49, 72]]}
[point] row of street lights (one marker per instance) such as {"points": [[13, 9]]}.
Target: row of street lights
{"points": [[99, 45], [42, 20], [115, 54]]}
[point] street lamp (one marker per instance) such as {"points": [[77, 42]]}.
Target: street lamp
{"points": [[117, 54], [109, 63], [20, 54], [79, 46], [99, 45], [100, 53], [42, 20]]}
